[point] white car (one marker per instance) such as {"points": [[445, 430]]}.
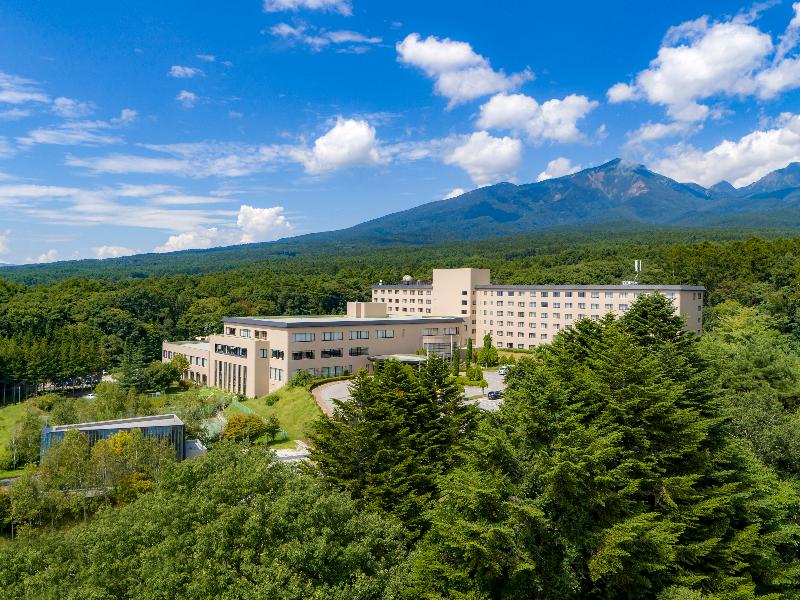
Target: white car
{"points": [[502, 370]]}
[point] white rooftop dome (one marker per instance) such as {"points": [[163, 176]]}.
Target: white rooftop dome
{"points": [[407, 279]]}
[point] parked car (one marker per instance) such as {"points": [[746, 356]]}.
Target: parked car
{"points": [[495, 395], [502, 370]]}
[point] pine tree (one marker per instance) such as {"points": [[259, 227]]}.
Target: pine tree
{"points": [[398, 432], [613, 435], [468, 357]]}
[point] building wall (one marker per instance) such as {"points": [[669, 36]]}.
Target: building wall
{"points": [[524, 318], [454, 293], [199, 366], [406, 299]]}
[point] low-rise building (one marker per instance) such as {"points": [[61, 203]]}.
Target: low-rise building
{"points": [[258, 355], [163, 427]]}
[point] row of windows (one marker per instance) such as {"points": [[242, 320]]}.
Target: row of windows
{"points": [[567, 305], [445, 331], [193, 360], [405, 300], [405, 292], [330, 353], [397, 309], [569, 294], [336, 371], [328, 336], [230, 350]]}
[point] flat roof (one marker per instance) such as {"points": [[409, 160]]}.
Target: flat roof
{"points": [[404, 358], [339, 320], [423, 286], [499, 286], [619, 286], [133, 423], [194, 344]]}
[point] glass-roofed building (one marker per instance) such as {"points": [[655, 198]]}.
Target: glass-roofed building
{"points": [[163, 427]]}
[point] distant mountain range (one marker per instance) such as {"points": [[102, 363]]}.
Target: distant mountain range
{"points": [[615, 192], [617, 196]]}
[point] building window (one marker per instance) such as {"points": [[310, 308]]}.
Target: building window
{"points": [[609, 307], [556, 294], [623, 307], [385, 333], [303, 355], [329, 336], [331, 353], [568, 294], [609, 294], [359, 351], [430, 331], [450, 331], [279, 354], [581, 294], [276, 374], [302, 337], [594, 306], [545, 304], [245, 333], [264, 353], [230, 330], [595, 294], [568, 305], [359, 335]]}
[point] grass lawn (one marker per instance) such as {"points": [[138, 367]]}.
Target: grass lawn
{"points": [[9, 415], [295, 409], [11, 473]]}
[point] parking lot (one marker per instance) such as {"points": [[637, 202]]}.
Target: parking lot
{"points": [[340, 390]]}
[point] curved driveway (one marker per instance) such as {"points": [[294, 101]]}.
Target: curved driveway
{"points": [[326, 393]]}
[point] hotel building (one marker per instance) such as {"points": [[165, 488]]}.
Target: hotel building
{"points": [[524, 316], [257, 355]]}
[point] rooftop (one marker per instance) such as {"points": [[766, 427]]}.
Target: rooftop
{"points": [[619, 286], [339, 320], [134, 423], [193, 344]]}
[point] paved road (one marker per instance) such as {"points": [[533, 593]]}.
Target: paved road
{"points": [[327, 392], [340, 390]]}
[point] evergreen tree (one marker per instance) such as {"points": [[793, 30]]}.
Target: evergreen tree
{"points": [[618, 477], [456, 362], [468, 357], [398, 432]]}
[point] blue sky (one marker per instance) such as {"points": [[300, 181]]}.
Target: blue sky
{"points": [[134, 127]]}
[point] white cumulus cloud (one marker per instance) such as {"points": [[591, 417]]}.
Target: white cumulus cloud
{"points": [[349, 143], [19, 90], [71, 109], [558, 168], [701, 60], [698, 60], [343, 7], [186, 98], [180, 72], [103, 252], [49, 256], [252, 225], [460, 73], [741, 161], [554, 120], [487, 159], [261, 224], [454, 193]]}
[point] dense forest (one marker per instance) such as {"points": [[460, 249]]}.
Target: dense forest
{"points": [[629, 459], [56, 326]]}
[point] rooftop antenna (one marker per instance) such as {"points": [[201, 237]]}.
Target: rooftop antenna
{"points": [[637, 268]]}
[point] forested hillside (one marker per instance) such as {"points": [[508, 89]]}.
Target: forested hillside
{"points": [[80, 325]]}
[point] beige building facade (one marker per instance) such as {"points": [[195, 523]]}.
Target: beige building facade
{"points": [[525, 316], [258, 355]]}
